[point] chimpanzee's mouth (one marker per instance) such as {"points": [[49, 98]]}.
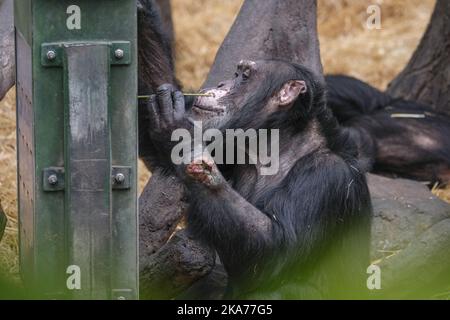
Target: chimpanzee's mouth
{"points": [[209, 104], [202, 105]]}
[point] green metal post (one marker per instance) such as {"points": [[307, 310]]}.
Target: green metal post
{"points": [[77, 147]]}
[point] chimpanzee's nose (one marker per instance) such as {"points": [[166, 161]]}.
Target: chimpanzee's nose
{"points": [[222, 84]]}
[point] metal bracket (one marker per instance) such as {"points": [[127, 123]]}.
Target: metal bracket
{"points": [[52, 54], [53, 178]]}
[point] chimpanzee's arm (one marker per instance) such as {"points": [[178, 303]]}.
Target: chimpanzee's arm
{"points": [[210, 189], [241, 233], [226, 212], [155, 49], [155, 68]]}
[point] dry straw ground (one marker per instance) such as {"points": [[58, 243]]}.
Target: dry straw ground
{"points": [[347, 47]]}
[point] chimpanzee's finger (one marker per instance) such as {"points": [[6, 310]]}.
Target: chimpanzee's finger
{"points": [[153, 112], [179, 105], [165, 104]]}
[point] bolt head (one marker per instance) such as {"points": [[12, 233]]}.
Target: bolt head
{"points": [[51, 55], [119, 178], [53, 180], [119, 54]]}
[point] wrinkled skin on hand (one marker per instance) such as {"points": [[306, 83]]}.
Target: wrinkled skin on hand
{"points": [[166, 108]]}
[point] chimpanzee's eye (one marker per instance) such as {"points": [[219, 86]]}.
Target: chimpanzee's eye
{"points": [[236, 74]]}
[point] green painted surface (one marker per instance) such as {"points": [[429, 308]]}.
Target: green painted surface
{"points": [[45, 227]]}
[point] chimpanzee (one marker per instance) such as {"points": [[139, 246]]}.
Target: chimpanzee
{"points": [[300, 233], [398, 137]]}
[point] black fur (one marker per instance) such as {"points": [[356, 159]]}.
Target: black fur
{"points": [[156, 67], [416, 148]]}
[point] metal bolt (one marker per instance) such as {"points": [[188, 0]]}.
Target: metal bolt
{"points": [[119, 178], [119, 53], [51, 55], [53, 180]]}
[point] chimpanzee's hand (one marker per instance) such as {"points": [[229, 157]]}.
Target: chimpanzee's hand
{"points": [[166, 110], [204, 170]]}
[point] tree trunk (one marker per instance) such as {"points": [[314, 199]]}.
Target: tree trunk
{"points": [[7, 62], [426, 78], [161, 207], [175, 267], [269, 29]]}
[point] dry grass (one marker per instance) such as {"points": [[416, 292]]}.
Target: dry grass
{"points": [[375, 56], [8, 197], [347, 47], [443, 193]]}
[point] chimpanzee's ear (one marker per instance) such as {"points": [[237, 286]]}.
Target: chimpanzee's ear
{"points": [[290, 92]]}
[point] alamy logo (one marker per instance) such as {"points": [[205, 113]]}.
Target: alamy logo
{"points": [[74, 20], [74, 279], [259, 147], [374, 19], [374, 280]]}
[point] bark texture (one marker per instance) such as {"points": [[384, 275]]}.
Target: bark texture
{"points": [[426, 78], [269, 29]]}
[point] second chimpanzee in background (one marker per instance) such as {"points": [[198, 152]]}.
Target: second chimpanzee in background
{"points": [[301, 233], [398, 137]]}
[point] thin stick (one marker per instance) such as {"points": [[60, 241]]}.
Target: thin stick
{"points": [[185, 94]]}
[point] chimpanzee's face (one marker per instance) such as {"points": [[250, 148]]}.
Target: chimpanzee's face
{"points": [[245, 88], [228, 95]]}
